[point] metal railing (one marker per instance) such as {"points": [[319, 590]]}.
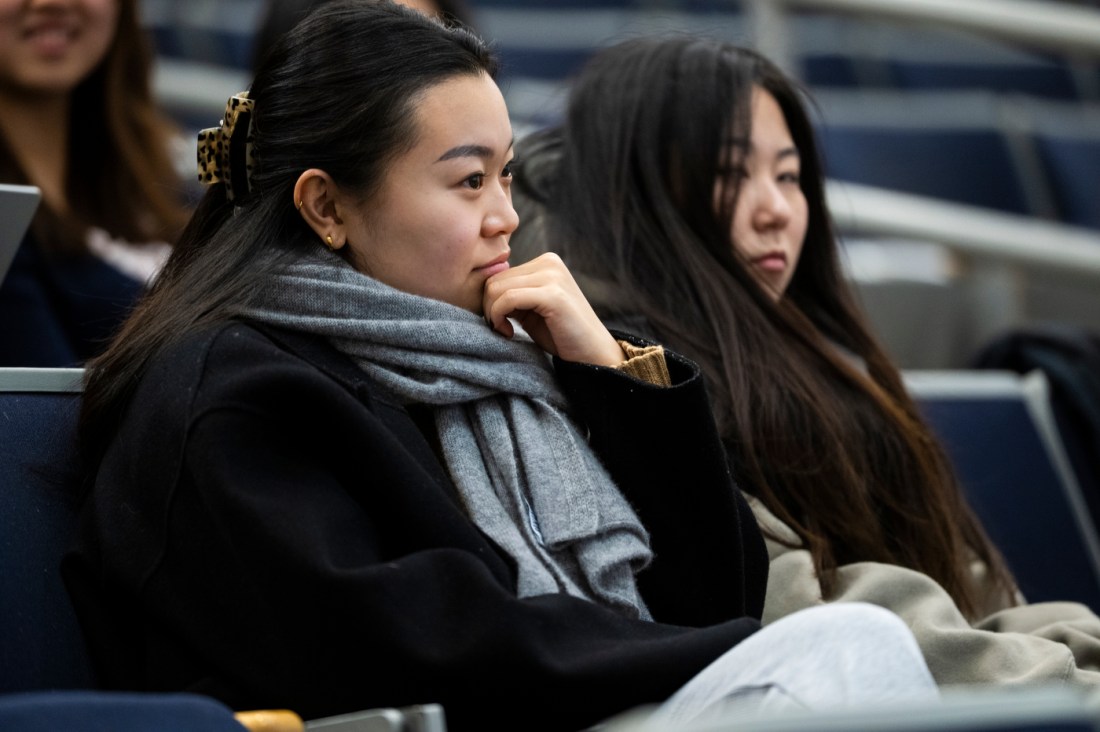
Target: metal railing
{"points": [[191, 86], [978, 234], [1008, 270], [1066, 29]]}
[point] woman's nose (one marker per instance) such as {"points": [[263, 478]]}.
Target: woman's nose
{"points": [[502, 217], [772, 207]]}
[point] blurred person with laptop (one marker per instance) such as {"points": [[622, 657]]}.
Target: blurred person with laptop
{"points": [[78, 121]]}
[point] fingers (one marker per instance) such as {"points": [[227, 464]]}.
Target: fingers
{"points": [[543, 296], [500, 325], [540, 272]]}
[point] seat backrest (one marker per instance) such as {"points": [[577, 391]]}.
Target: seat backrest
{"points": [[999, 432], [949, 145], [1041, 78], [40, 640], [1069, 357], [1073, 166], [93, 711], [46, 679], [969, 166]]}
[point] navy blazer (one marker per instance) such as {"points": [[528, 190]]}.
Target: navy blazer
{"points": [[272, 528]]}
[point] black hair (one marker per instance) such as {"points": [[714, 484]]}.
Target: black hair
{"points": [[338, 93], [629, 184]]}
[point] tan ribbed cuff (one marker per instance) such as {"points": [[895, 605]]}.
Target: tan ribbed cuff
{"points": [[646, 363]]}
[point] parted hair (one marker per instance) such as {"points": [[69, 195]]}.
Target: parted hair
{"points": [[120, 174], [338, 93], [832, 445]]}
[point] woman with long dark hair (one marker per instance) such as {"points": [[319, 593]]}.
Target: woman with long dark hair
{"points": [[684, 190], [345, 456], [78, 120]]}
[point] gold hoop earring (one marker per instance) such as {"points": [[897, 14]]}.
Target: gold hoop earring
{"points": [[328, 242], [300, 204]]}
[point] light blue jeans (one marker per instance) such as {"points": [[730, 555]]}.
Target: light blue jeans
{"points": [[830, 656]]}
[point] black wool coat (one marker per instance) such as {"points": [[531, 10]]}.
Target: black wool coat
{"points": [[270, 527]]}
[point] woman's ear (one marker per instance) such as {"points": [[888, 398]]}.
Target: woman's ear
{"points": [[315, 199]]}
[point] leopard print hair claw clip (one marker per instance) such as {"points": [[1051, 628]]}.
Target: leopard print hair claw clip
{"points": [[225, 152]]}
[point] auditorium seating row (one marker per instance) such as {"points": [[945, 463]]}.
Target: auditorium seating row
{"points": [[1024, 156], [46, 679], [998, 427], [924, 111]]}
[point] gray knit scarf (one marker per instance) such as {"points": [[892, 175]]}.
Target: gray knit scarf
{"points": [[528, 479]]}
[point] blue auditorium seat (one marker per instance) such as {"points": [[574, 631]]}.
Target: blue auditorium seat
{"points": [[1069, 358], [216, 32], [1049, 79], [829, 69], [43, 647], [542, 63], [968, 165], [46, 679], [97, 711], [558, 4], [1073, 167], [998, 430]]}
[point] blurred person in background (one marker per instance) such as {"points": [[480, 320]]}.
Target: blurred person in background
{"points": [[685, 192], [77, 119]]}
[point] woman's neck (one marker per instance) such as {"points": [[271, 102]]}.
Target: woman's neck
{"points": [[37, 129]]}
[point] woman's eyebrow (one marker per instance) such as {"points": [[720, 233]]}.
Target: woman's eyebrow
{"points": [[470, 151]]}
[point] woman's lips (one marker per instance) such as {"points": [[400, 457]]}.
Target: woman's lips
{"points": [[772, 262], [493, 269], [498, 265], [50, 39]]}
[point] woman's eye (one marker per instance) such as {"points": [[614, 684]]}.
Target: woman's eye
{"points": [[790, 177], [507, 171], [475, 181]]}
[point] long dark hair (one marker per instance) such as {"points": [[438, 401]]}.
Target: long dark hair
{"points": [[840, 455], [337, 93], [120, 175]]}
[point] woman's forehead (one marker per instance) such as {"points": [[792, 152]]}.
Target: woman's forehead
{"points": [[463, 116]]}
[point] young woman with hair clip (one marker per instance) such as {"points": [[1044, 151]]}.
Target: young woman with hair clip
{"points": [[331, 472], [77, 119], [685, 192]]}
